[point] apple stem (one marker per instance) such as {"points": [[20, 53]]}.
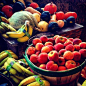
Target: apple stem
{"points": [[51, 3]]}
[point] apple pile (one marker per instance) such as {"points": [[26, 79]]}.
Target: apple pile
{"points": [[57, 53]]}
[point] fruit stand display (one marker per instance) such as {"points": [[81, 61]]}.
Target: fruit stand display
{"points": [[43, 45]]}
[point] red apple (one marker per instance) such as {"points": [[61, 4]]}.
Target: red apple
{"points": [[83, 52], [39, 46], [36, 40], [77, 64], [70, 64], [68, 55], [61, 68], [60, 39], [31, 50], [51, 40], [61, 52], [60, 15], [83, 45], [37, 53], [77, 55], [68, 42], [71, 39], [33, 58], [55, 36], [77, 41], [42, 66], [8, 10], [58, 46], [51, 47], [34, 5], [53, 55], [44, 38], [70, 47], [51, 66], [45, 49], [42, 58], [77, 47], [61, 61], [48, 43]]}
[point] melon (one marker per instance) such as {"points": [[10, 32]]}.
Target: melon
{"points": [[19, 18]]}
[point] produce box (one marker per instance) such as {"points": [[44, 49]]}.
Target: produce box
{"points": [[19, 48]]}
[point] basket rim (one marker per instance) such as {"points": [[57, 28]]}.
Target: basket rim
{"points": [[53, 73]]}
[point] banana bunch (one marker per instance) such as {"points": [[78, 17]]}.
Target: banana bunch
{"points": [[34, 80], [17, 71], [4, 55], [22, 34], [4, 27]]}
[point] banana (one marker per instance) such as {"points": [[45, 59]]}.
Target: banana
{"points": [[17, 81], [5, 36], [15, 65], [29, 80], [4, 26], [2, 52], [3, 19], [3, 61], [20, 77], [25, 38], [45, 83], [2, 56], [15, 56], [19, 33], [7, 26], [2, 30], [5, 72], [10, 69], [26, 71]]}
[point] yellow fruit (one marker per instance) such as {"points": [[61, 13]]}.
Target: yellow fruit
{"points": [[37, 16]]}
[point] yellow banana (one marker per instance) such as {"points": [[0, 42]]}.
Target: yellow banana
{"points": [[26, 71], [13, 54], [15, 65], [25, 38], [3, 61], [5, 72], [2, 52], [17, 81], [9, 68], [45, 83], [29, 80], [5, 36], [2, 56], [19, 33], [20, 77]]}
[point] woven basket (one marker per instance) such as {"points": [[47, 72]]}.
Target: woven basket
{"points": [[60, 78]]}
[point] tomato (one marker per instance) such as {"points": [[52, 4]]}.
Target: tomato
{"points": [[68, 14], [60, 15]]}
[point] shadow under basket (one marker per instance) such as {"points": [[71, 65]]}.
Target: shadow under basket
{"points": [[60, 78]]}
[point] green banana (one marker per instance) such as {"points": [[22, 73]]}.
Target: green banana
{"points": [[26, 38], [16, 80], [3, 61], [29, 80], [19, 33], [10, 69], [3, 19], [15, 65]]}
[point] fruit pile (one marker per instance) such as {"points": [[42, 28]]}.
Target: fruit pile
{"points": [[41, 19], [57, 53], [18, 70]]}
